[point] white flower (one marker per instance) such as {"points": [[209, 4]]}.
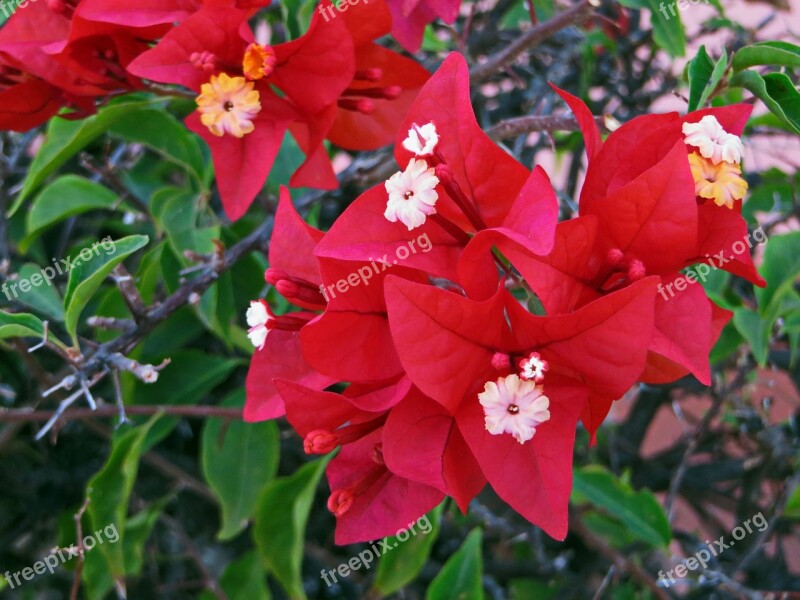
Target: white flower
{"points": [[412, 194], [258, 315], [421, 141], [713, 141], [514, 406], [533, 368]]}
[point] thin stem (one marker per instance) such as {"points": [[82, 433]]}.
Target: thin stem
{"points": [[529, 39]]}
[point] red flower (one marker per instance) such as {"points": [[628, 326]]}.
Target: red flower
{"points": [[384, 85], [25, 100], [678, 228], [240, 117], [478, 187], [368, 499], [452, 347], [410, 17], [295, 274]]}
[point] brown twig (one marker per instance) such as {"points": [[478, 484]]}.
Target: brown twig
{"points": [[531, 38], [76, 582], [517, 126], [26, 415], [130, 293], [622, 562], [208, 579]]}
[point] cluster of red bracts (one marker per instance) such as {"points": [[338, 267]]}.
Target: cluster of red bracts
{"points": [[333, 83], [473, 362]]}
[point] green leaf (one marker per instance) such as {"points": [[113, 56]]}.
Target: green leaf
{"points": [[297, 16], [65, 197], [716, 76], [20, 325], [401, 566], [65, 138], [668, 32], [96, 576], [638, 510], [281, 521], [86, 277], [110, 490], [780, 268], [462, 574], [243, 579], [176, 211], [238, 458], [792, 510], [43, 297], [699, 70], [781, 54], [164, 134], [775, 90]]}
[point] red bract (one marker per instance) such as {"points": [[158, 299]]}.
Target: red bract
{"points": [[410, 17], [213, 51], [334, 83], [26, 101], [385, 82], [369, 500], [449, 380], [482, 188], [451, 347], [637, 161], [294, 272]]}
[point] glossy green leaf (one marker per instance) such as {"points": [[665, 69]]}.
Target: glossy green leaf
{"points": [[281, 521], [90, 268], [717, 74], [398, 568], [164, 134], [238, 458], [243, 579], [297, 15], [65, 197], [110, 490], [780, 268], [782, 54], [638, 510], [699, 71], [43, 297], [97, 579], [461, 576], [65, 138], [775, 90], [20, 325], [176, 212], [668, 32]]}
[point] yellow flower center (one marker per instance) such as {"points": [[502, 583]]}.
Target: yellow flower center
{"points": [[722, 182], [259, 61], [228, 105]]}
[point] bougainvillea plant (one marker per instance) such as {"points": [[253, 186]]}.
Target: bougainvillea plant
{"points": [[460, 379], [345, 299]]}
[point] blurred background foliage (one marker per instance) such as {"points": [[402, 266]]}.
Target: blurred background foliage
{"points": [[209, 507]]}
